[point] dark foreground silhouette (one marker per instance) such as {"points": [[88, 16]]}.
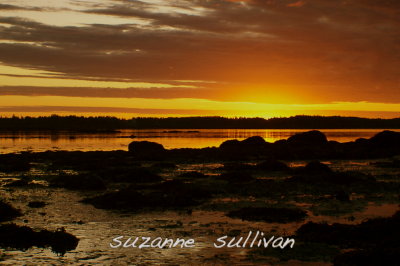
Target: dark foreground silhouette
{"points": [[24, 237], [307, 145]]}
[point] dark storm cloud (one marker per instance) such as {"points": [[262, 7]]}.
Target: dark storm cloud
{"points": [[351, 44]]}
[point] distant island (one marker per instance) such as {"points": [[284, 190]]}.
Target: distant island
{"points": [[108, 123]]}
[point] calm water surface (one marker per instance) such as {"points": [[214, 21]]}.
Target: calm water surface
{"points": [[199, 138]]}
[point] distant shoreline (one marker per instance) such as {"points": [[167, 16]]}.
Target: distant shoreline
{"points": [[110, 124]]}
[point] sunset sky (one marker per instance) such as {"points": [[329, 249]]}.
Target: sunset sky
{"points": [[265, 58]]}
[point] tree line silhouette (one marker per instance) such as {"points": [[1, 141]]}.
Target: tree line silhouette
{"points": [[108, 123]]}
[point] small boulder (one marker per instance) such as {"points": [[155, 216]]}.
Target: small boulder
{"points": [[231, 144], [269, 214], [237, 177], [130, 175], [254, 141], [8, 212], [193, 174], [37, 204], [236, 166], [164, 165], [386, 138], [24, 237], [146, 149], [272, 165], [309, 138], [78, 182], [316, 167]]}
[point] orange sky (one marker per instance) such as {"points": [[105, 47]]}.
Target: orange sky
{"points": [[262, 58]]}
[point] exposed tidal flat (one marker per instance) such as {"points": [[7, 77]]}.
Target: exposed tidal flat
{"points": [[338, 201]]}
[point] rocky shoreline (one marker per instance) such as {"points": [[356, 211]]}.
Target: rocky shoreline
{"points": [[149, 178]]}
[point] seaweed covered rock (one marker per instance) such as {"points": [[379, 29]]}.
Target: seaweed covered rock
{"points": [[10, 163], [193, 174], [18, 183], [235, 149], [164, 165], [375, 256], [8, 212], [37, 204], [268, 214], [373, 232], [164, 196], [89, 160], [255, 145], [230, 145], [316, 172], [130, 175], [78, 182], [254, 141], [309, 138], [272, 165], [236, 166], [391, 164], [237, 176], [339, 178], [373, 242], [24, 237], [386, 138], [147, 149], [316, 167]]}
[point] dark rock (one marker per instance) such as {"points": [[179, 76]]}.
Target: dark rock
{"points": [[36, 204], [78, 182], [304, 252], [8, 163], [345, 178], [230, 145], [235, 166], [375, 256], [309, 138], [240, 150], [193, 174], [281, 142], [270, 215], [8, 212], [18, 183], [371, 233], [254, 141], [392, 164], [272, 165], [164, 165], [342, 196], [130, 175], [166, 196], [237, 177], [362, 141], [23, 238], [255, 145], [316, 167], [147, 149], [386, 138]]}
